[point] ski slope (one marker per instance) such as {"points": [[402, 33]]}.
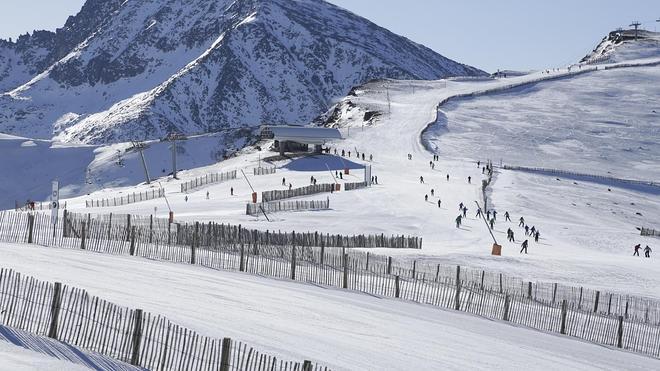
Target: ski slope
{"points": [[343, 330], [20, 359]]}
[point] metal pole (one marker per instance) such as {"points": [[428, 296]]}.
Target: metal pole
{"points": [[485, 221], [144, 165], [174, 159], [246, 179]]}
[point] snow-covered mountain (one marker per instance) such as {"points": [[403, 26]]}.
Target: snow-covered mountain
{"points": [[134, 70], [623, 45]]}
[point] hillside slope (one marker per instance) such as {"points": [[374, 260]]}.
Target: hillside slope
{"points": [[154, 67]]}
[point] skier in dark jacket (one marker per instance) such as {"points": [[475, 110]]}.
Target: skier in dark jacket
{"points": [[439, 204], [495, 214], [647, 251], [637, 248], [526, 230], [524, 246], [507, 217], [421, 179], [465, 210], [492, 224], [478, 213], [458, 221], [536, 236], [426, 198], [522, 222]]}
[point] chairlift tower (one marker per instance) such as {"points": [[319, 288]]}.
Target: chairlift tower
{"points": [[636, 24], [173, 137], [141, 147]]}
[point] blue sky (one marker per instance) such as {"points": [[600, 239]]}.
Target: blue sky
{"points": [[515, 34]]}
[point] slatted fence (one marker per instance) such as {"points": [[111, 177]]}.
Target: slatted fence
{"points": [[73, 316], [278, 206], [126, 200], [649, 232], [268, 196], [206, 180], [354, 186], [574, 311], [581, 175], [264, 170]]}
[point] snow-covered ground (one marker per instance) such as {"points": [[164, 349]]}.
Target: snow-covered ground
{"points": [[343, 330], [15, 358], [582, 242]]}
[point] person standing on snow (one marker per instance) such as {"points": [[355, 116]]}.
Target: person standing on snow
{"points": [[439, 204], [526, 230], [478, 213], [207, 195], [447, 177], [536, 236], [495, 214], [506, 216], [647, 251], [492, 224], [421, 179], [524, 246], [465, 210], [232, 191], [432, 192], [522, 222], [426, 198], [458, 221], [637, 248], [469, 180]]}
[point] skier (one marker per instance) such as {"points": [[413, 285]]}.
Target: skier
{"points": [[522, 222], [536, 236], [372, 180], [432, 166], [186, 198], [290, 186], [465, 210], [341, 175], [371, 157], [488, 214], [647, 251], [637, 247], [439, 204], [447, 177], [343, 153], [311, 180], [335, 151], [283, 181], [483, 170], [458, 221], [524, 246], [376, 179], [421, 179], [478, 213], [526, 230], [492, 224], [207, 195], [232, 191], [495, 214], [432, 192], [349, 153], [426, 198], [362, 156], [460, 206], [512, 237], [469, 180], [478, 164], [506, 216]]}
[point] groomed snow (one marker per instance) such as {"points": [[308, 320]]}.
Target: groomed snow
{"points": [[344, 330]]}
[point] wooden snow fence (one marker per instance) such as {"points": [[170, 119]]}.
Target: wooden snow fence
{"points": [[127, 200], [354, 186], [264, 170], [612, 319], [278, 206], [268, 196], [649, 232], [75, 317], [558, 172], [206, 180]]}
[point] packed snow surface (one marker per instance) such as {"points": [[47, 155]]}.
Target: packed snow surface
{"points": [[343, 330]]}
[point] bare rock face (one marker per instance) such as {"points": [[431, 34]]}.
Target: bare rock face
{"points": [[140, 69]]}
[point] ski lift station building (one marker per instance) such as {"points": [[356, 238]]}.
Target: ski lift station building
{"points": [[299, 138]]}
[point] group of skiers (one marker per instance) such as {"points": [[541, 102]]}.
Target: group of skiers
{"points": [[647, 250], [357, 153]]}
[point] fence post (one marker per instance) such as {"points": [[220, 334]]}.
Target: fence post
{"points": [[596, 301], [128, 227], [554, 292], [501, 289], [55, 305], [194, 243], [132, 250], [483, 274], [225, 355], [457, 298], [307, 366], [82, 237], [619, 333], [529, 290], [151, 227], [507, 304], [322, 250], [367, 264], [437, 273], [64, 224], [580, 299], [626, 314], [564, 309], [609, 306], [293, 262], [414, 269], [389, 265], [30, 227], [397, 289], [345, 284], [137, 338], [242, 262]]}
